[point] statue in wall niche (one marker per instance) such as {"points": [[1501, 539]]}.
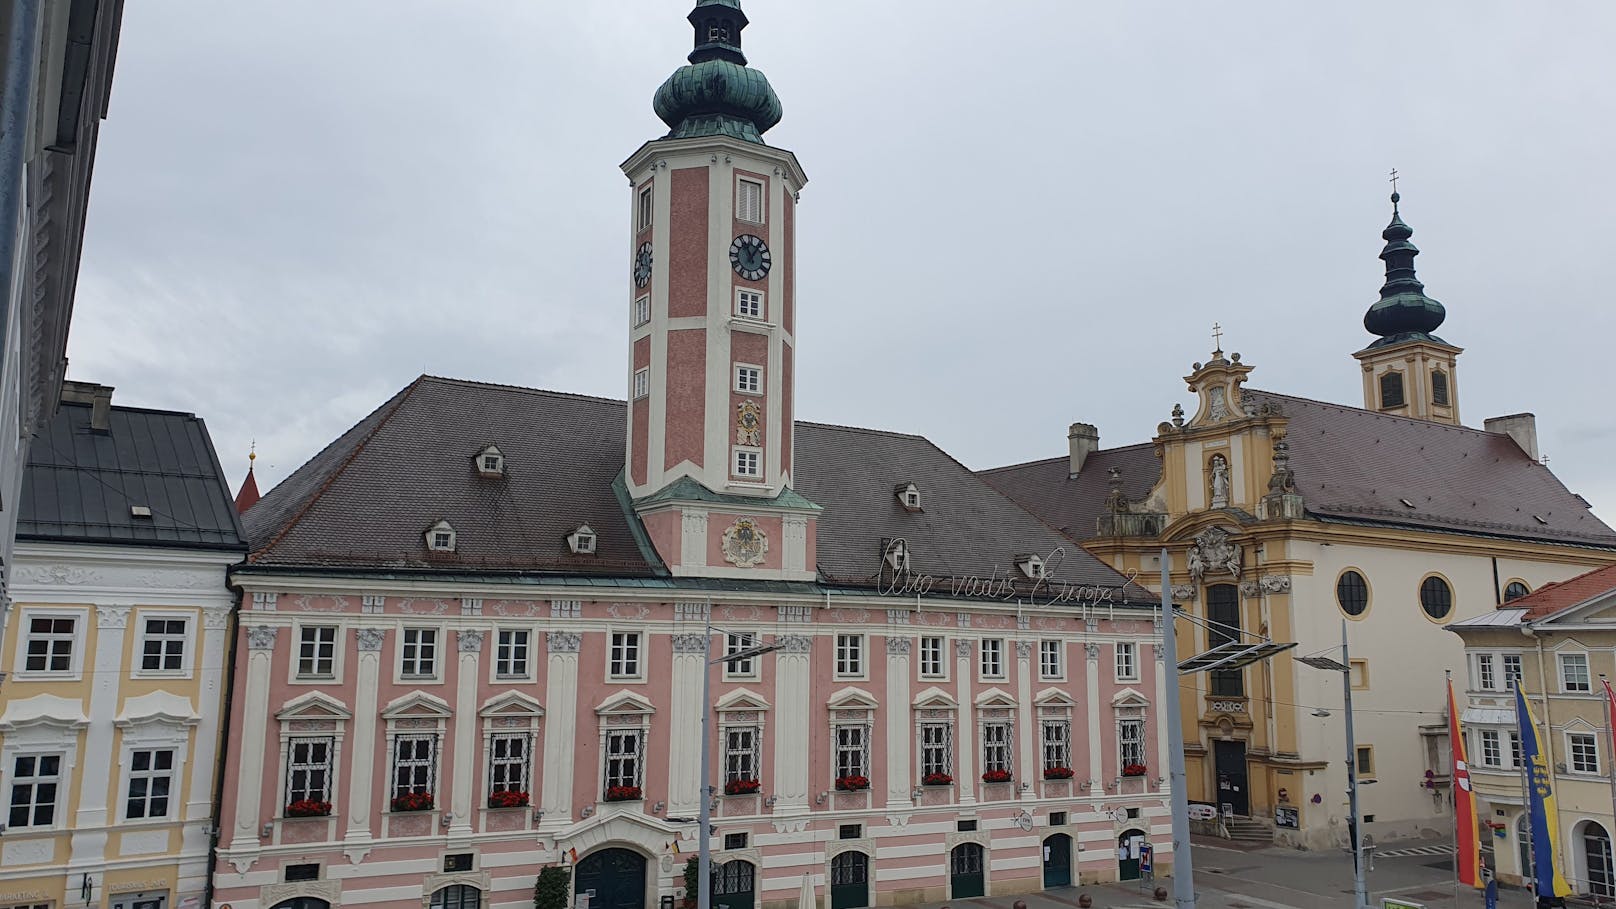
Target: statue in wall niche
{"points": [[1220, 481]]}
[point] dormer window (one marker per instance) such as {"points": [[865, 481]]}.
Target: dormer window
{"points": [[1031, 566], [440, 537], [908, 496], [582, 541], [898, 555], [490, 463]]}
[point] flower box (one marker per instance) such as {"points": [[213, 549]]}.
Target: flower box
{"points": [[622, 793], [743, 787], [852, 783], [996, 776], [308, 808], [1135, 770], [413, 801], [508, 798], [936, 779], [1057, 773]]}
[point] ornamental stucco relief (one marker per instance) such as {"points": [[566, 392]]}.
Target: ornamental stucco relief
{"points": [[1212, 553], [262, 637], [563, 641], [745, 544]]}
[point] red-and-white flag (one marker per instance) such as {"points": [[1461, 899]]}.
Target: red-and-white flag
{"points": [[1465, 836]]}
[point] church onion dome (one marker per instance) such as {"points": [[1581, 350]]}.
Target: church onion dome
{"points": [[717, 94], [1403, 312]]}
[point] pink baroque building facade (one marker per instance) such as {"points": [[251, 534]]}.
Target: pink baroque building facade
{"points": [[473, 628]]}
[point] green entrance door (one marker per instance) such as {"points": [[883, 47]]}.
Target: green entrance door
{"points": [[1128, 846], [733, 885], [1057, 861], [965, 878], [612, 879], [850, 881]]}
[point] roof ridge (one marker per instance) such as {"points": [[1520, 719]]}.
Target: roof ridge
{"points": [[529, 389], [866, 429], [1375, 413], [1098, 451]]}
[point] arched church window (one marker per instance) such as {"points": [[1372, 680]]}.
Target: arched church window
{"points": [[1439, 388], [1391, 390], [1514, 590]]}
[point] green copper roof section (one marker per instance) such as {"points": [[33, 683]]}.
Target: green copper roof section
{"points": [[717, 94], [1403, 312], [685, 489], [642, 540]]}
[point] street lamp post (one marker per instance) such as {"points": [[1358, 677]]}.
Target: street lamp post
{"points": [[1360, 885]]}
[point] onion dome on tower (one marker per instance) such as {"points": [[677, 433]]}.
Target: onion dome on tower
{"points": [[717, 94], [1403, 312]]}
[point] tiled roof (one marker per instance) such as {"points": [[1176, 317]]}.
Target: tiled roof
{"points": [[84, 485], [1553, 597], [1354, 466], [367, 499]]}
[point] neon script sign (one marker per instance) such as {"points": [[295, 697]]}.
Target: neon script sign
{"points": [[1002, 584]]}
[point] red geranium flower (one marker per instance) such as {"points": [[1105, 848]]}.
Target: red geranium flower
{"points": [[1057, 773], [508, 798], [413, 801], [936, 779], [996, 776], [852, 783], [1135, 770], [742, 787], [308, 808], [622, 793]]}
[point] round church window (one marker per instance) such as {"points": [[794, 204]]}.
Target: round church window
{"points": [[1352, 593], [1436, 597]]}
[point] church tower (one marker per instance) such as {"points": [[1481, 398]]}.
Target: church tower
{"points": [[1408, 370], [712, 320]]}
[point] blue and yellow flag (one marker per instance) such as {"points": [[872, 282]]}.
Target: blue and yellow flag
{"points": [[1545, 819]]}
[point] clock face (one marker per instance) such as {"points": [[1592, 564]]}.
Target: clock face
{"points": [[642, 265], [749, 257]]}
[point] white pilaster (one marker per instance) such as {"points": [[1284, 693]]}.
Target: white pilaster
{"points": [[97, 762], [792, 682], [1159, 708], [684, 739], [465, 732], [1097, 731], [561, 684], [899, 728], [1029, 768], [254, 728], [362, 777], [211, 657], [964, 725]]}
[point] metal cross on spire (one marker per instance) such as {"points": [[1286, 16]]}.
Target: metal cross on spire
{"points": [[1217, 337], [1394, 179]]}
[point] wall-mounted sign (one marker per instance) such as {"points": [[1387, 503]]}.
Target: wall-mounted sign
{"points": [[1202, 812], [1004, 584], [1287, 817]]}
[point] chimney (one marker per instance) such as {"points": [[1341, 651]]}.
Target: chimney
{"points": [[99, 397], [1522, 427], [1083, 440]]}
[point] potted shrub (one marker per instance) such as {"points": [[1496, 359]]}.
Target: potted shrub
{"points": [[742, 787], [937, 779], [1057, 773], [1135, 770], [308, 808], [508, 798], [413, 801], [550, 891], [996, 776], [622, 793], [692, 882], [852, 783]]}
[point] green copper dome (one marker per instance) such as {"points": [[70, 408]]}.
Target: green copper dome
{"points": [[717, 94], [1403, 312]]}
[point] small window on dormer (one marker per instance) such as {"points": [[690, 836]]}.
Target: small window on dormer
{"points": [[440, 537], [898, 555], [1031, 566], [490, 463], [908, 496], [582, 541]]}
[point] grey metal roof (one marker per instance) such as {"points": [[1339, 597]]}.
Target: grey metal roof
{"points": [[81, 484]]}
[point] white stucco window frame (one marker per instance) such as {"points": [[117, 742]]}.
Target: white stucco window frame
{"points": [[1116, 661], [43, 725], [517, 714], [1581, 727], [944, 659], [338, 654], [851, 707], [641, 656], [625, 710], [81, 638], [312, 715], [494, 677], [982, 674], [756, 662], [1560, 655], [1129, 705], [741, 709], [1053, 705], [936, 707], [187, 657], [1061, 661], [153, 722], [863, 641], [997, 708], [440, 655], [762, 381], [416, 713]]}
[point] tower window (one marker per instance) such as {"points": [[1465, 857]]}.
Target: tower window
{"points": [[1391, 390], [642, 311], [1439, 388], [749, 379], [749, 201], [747, 461], [749, 304], [642, 382], [645, 210]]}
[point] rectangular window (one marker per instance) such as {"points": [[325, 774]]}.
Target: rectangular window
{"points": [[643, 220], [735, 642], [936, 749], [307, 871], [931, 657], [36, 780], [625, 655], [1057, 743], [317, 651], [623, 757], [642, 383], [1583, 752], [748, 463], [749, 201], [850, 654], [1049, 660], [1131, 741], [1223, 613], [1366, 760], [849, 831], [308, 769], [995, 747], [510, 654], [735, 841], [151, 776], [852, 751], [1486, 678], [992, 651], [642, 311], [418, 653], [740, 754], [50, 644], [162, 648], [508, 763], [1574, 672], [749, 380], [749, 304], [1512, 667], [1515, 749], [1127, 661], [415, 764], [1492, 751]]}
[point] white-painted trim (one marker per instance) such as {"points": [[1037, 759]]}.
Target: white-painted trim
{"points": [[187, 654], [78, 643]]}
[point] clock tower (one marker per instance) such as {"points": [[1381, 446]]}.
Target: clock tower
{"points": [[712, 321]]}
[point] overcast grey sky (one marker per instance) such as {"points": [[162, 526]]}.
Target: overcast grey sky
{"points": [[1019, 214]]}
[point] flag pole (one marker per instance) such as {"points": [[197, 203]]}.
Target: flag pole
{"points": [[1529, 871], [1610, 735], [1453, 784]]}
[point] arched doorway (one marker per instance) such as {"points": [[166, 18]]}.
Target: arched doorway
{"points": [[302, 902], [850, 881], [1596, 859], [612, 879], [457, 896], [1057, 861], [735, 885], [965, 877], [1129, 845]]}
